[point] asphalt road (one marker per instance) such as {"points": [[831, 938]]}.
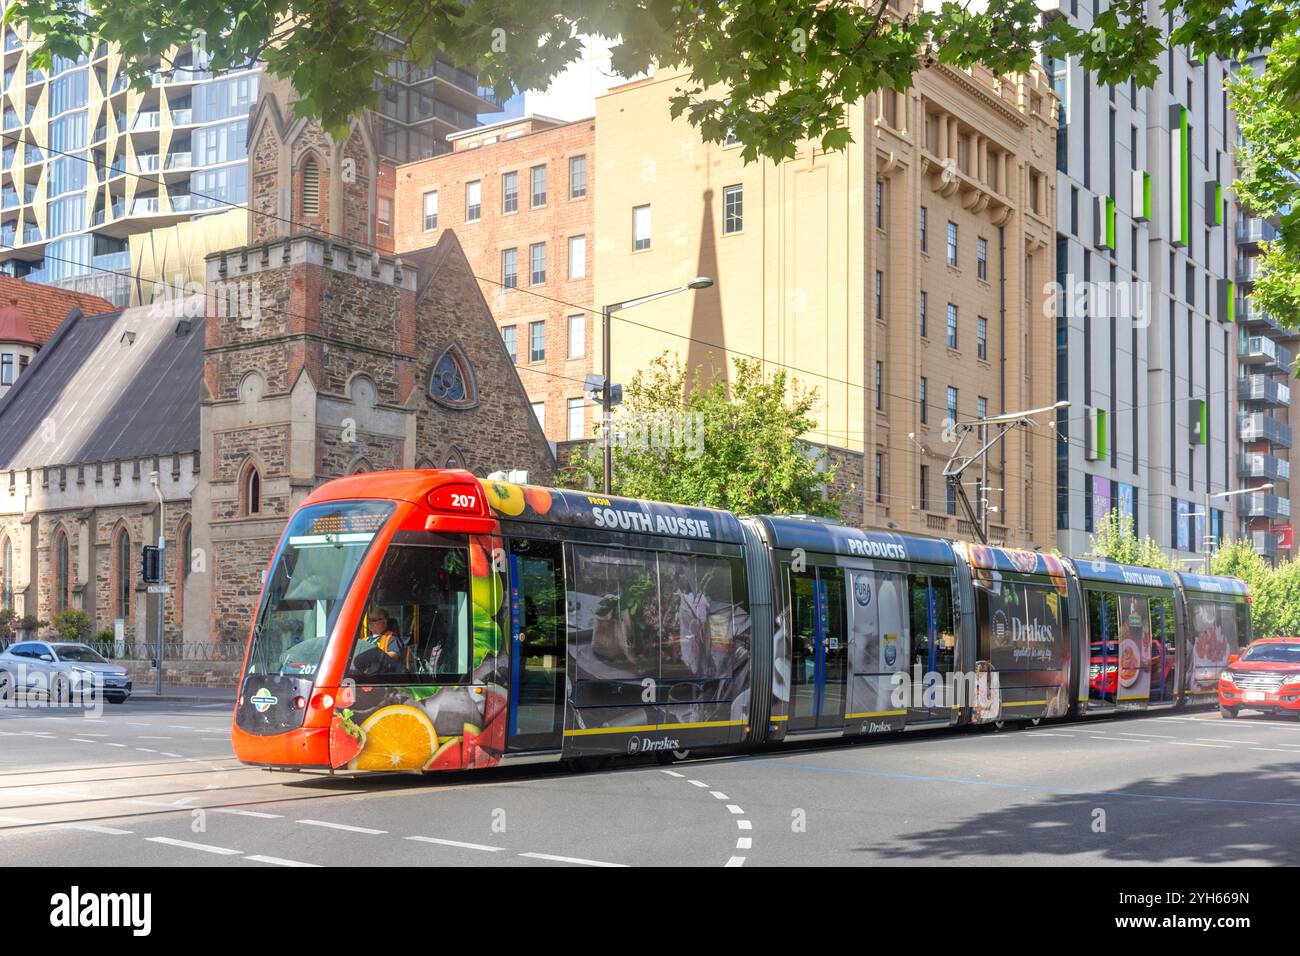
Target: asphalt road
{"points": [[155, 783]]}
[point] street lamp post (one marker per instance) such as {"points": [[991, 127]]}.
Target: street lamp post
{"points": [[1209, 537], [606, 392], [154, 480]]}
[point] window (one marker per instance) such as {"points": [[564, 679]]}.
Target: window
{"points": [[577, 336], [510, 268], [981, 407], [952, 326], [184, 560], [952, 404], [880, 204], [925, 333], [733, 203], [7, 575], [577, 177], [417, 625], [577, 257], [310, 188], [510, 192], [431, 210], [538, 176], [537, 341], [7, 368], [982, 258], [923, 236], [880, 385], [982, 338], [384, 216], [880, 478], [949, 498], [640, 228], [122, 576], [923, 491], [62, 570], [880, 296], [473, 196], [252, 490], [539, 412], [509, 335], [920, 398], [574, 428], [537, 263], [952, 243]]}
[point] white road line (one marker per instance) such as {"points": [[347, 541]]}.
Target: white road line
{"points": [[342, 826], [1125, 733], [458, 843], [248, 813], [92, 828], [735, 809], [718, 795], [744, 843], [80, 740], [1225, 740], [85, 733], [146, 750], [1039, 733], [698, 783], [1185, 743], [744, 824], [203, 847], [736, 861], [166, 754], [277, 861], [674, 773], [143, 737], [1081, 730], [106, 744], [1276, 750], [569, 859]]}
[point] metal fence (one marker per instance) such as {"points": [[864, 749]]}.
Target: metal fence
{"points": [[211, 651]]}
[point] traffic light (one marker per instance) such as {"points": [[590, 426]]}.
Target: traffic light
{"points": [[151, 564]]}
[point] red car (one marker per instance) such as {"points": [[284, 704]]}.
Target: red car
{"points": [[1265, 676]]}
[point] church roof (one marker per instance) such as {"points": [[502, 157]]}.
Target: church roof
{"points": [[107, 387], [45, 306]]}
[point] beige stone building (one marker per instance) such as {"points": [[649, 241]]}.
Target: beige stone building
{"points": [[903, 278]]}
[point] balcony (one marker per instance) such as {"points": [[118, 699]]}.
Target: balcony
{"points": [[1258, 465], [1263, 505], [179, 160], [1252, 230], [183, 117], [1255, 318], [1260, 427], [146, 162], [1265, 390], [1263, 354], [11, 120], [113, 261], [145, 205], [1248, 269], [182, 202], [1264, 543], [146, 121], [31, 233], [9, 199]]}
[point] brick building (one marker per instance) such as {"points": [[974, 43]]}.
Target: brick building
{"points": [[520, 196], [29, 314]]}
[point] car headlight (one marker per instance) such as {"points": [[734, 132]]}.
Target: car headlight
{"points": [[1291, 679], [1226, 675]]}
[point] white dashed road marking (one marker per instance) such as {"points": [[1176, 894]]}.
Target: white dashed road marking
{"points": [[277, 861], [569, 859], [457, 843], [204, 847], [342, 826]]}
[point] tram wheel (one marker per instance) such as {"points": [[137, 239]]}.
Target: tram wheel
{"points": [[1035, 721], [999, 725], [673, 756], [588, 764]]}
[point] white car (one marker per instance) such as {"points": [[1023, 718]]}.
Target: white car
{"points": [[60, 671]]}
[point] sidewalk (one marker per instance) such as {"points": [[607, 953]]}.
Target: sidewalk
{"points": [[185, 695]]}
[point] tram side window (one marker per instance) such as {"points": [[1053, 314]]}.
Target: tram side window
{"points": [[678, 618], [941, 657], [416, 626]]}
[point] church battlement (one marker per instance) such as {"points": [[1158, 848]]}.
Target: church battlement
{"points": [[306, 249]]}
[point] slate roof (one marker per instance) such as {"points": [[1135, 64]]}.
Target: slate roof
{"points": [[107, 387]]}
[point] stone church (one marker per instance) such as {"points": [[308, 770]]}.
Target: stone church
{"points": [[314, 354]]}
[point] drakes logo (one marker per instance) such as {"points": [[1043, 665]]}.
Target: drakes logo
{"points": [[76, 909], [264, 700], [639, 745]]}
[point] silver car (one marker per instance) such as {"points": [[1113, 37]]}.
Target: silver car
{"points": [[60, 671]]}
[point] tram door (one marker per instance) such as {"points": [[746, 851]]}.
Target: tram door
{"points": [[537, 645], [819, 649], [934, 649]]}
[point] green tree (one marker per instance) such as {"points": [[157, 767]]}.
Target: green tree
{"points": [[72, 624], [736, 446], [1116, 539], [1267, 105], [776, 72], [1274, 592]]}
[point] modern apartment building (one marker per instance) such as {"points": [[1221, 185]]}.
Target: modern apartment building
{"points": [[88, 162], [1266, 354], [520, 196], [903, 279], [1147, 345]]}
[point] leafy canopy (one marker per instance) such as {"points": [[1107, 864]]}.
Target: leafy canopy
{"points": [[734, 446], [1116, 539], [776, 72]]}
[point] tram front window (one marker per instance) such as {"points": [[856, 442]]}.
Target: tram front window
{"points": [[416, 627], [313, 573]]}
